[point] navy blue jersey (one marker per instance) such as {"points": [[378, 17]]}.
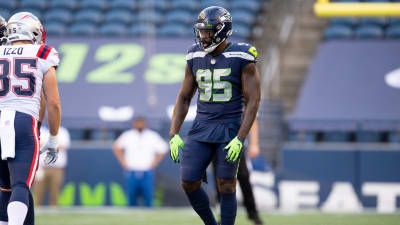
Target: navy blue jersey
{"points": [[220, 97]]}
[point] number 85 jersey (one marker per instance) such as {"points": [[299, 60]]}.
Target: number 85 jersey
{"points": [[219, 81], [22, 68]]}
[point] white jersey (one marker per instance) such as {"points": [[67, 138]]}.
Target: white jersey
{"points": [[21, 74]]}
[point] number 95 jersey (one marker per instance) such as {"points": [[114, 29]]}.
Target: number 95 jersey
{"points": [[219, 81], [22, 68]]}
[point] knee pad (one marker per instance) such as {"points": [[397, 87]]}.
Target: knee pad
{"points": [[226, 186], [190, 186]]}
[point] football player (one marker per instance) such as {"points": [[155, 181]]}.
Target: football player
{"points": [[27, 68], [225, 75]]}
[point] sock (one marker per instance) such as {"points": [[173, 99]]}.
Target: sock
{"points": [[200, 203], [228, 208], [30, 216], [16, 213]]}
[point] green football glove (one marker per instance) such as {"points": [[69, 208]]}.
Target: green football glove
{"points": [[235, 146], [174, 144]]}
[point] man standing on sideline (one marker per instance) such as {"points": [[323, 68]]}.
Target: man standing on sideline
{"points": [[139, 151], [50, 177], [27, 67]]}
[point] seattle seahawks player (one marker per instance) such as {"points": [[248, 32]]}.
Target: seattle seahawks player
{"points": [[27, 68], [226, 76]]}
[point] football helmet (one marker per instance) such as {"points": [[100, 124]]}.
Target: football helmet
{"points": [[25, 26], [213, 26], [3, 31]]}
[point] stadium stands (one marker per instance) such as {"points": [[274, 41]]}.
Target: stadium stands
{"points": [[162, 17]]}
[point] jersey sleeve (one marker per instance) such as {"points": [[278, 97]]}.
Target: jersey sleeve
{"points": [[48, 56], [190, 55], [249, 55]]}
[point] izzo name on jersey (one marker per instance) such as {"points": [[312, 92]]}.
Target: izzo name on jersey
{"points": [[13, 51], [210, 81]]}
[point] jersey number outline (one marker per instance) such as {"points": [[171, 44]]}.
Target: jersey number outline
{"points": [[18, 90], [208, 81]]}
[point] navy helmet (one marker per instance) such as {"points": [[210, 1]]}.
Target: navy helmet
{"points": [[218, 22], [3, 31]]}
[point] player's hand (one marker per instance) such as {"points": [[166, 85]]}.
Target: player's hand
{"points": [[234, 147], [51, 150], [174, 144]]}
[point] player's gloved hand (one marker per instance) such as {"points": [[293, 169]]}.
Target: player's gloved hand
{"points": [[234, 146], [174, 144], [51, 150]]}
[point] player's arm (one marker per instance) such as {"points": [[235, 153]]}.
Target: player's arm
{"points": [[182, 104], [50, 92], [252, 94], [254, 147]]}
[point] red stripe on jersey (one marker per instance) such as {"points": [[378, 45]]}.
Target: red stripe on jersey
{"points": [[35, 159], [40, 51], [47, 52]]}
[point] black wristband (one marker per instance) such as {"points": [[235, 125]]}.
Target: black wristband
{"points": [[240, 139]]}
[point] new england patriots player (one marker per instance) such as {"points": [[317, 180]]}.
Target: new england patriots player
{"points": [[225, 75], [27, 68]]}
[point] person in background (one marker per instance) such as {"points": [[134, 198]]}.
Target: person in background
{"points": [[243, 175], [139, 150], [50, 177]]}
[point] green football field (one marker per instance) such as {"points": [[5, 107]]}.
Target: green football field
{"points": [[185, 216]]}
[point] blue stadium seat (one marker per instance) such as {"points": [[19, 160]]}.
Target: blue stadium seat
{"points": [[143, 29], [347, 0], [377, 0], [82, 29], [394, 20], [377, 21], [346, 21], [222, 3], [369, 32], [55, 28], [36, 12], [393, 32], [33, 4], [123, 4], [150, 16], [113, 29], [394, 137], [243, 17], [302, 136], [119, 15], [70, 4], [338, 32], [336, 136], [241, 31], [160, 5], [251, 6], [192, 6], [76, 134], [173, 30], [180, 16], [88, 15], [5, 13], [93, 4], [102, 135], [368, 136], [8, 4], [58, 15]]}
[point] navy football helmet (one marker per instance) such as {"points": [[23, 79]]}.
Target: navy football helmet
{"points": [[3, 31], [213, 26]]}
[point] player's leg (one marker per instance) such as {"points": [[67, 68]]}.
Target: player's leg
{"points": [[243, 177], [148, 188], [5, 191], [131, 188], [30, 216], [226, 182], [23, 167], [195, 158]]}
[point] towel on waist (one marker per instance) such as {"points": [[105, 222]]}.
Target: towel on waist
{"points": [[7, 134]]}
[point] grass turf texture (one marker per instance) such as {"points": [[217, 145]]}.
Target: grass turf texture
{"points": [[186, 216]]}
